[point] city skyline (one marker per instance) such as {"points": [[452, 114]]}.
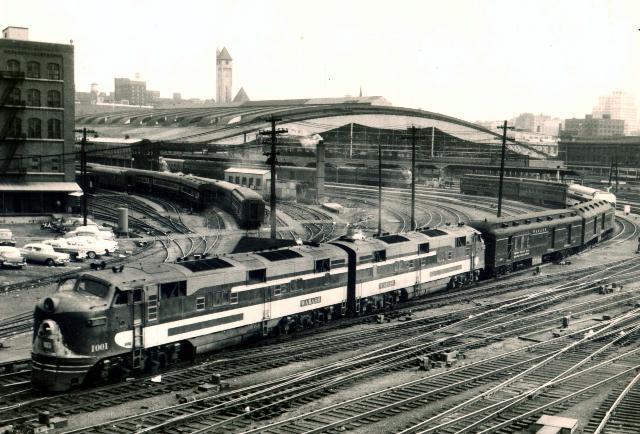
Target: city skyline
{"points": [[457, 59]]}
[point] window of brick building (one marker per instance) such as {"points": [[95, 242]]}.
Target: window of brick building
{"points": [[33, 70], [54, 129], [34, 128], [33, 97], [53, 99], [13, 65], [53, 71]]}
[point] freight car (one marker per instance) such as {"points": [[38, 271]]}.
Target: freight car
{"points": [[244, 204], [108, 324], [546, 193]]}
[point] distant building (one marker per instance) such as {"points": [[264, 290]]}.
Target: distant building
{"points": [[592, 127], [255, 179], [37, 115], [133, 91], [618, 105], [540, 124], [224, 70], [177, 96], [241, 96], [546, 143], [153, 95]]}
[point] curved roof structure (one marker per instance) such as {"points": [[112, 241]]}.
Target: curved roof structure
{"points": [[239, 123]]}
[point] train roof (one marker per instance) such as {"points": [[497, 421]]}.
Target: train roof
{"points": [[534, 219], [93, 167], [592, 207]]}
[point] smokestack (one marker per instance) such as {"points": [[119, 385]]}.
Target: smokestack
{"points": [[320, 171]]}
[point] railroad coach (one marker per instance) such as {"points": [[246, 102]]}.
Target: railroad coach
{"points": [[486, 185], [530, 239], [598, 220]]}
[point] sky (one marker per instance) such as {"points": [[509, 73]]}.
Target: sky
{"points": [[475, 60]]}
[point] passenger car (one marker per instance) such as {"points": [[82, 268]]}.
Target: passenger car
{"points": [[44, 253], [11, 257], [6, 238]]}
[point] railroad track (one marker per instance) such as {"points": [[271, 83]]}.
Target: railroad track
{"points": [[232, 410], [620, 412], [16, 324]]}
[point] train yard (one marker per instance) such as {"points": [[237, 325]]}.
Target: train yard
{"points": [[487, 357]]}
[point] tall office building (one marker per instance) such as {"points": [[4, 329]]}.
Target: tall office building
{"points": [[618, 105], [224, 70], [37, 142]]}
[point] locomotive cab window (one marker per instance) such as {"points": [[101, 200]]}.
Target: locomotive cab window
{"points": [[379, 256], [461, 241], [173, 289], [322, 266], [256, 276], [423, 248]]}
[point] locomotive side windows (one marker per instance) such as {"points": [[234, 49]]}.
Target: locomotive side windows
{"points": [[233, 299], [428, 260], [461, 241], [423, 248], [200, 303], [337, 262], [256, 276], [173, 289], [365, 258], [568, 234], [277, 290], [449, 255], [322, 266], [602, 222], [595, 224]]}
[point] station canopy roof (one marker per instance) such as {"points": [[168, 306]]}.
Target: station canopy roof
{"points": [[69, 187]]}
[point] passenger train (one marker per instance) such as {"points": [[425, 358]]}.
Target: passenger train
{"points": [[549, 193], [347, 174], [141, 318], [244, 204]]}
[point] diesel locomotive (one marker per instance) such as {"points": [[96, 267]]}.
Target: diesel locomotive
{"points": [[141, 318], [110, 323], [244, 204]]}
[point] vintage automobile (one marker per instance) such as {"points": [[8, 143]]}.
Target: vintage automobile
{"points": [[83, 247], [44, 254], [92, 231], [6, 238], [11, 257]]}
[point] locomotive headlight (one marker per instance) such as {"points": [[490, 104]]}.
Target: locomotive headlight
{"points": [[49, 305]]}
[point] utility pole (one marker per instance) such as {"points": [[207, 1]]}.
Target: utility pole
{"points": [[83, 172], [504, 151], [379, 188], [271, 161], [412, 130]]}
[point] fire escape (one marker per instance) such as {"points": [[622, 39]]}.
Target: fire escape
{"points": [[11, 135]]}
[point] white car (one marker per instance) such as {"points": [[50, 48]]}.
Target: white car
{"points": [[92, 243], [83, 247], [91, 231], [44, 253], [11, 257]]}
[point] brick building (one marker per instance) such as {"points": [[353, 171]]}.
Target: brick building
{"points": [[37, 160], [133, 91]]}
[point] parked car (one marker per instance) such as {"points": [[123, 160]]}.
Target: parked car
{"points": [[83, 247], [11, 257], [6, 238], [91, 231], [67, 224], [44, 253]]}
